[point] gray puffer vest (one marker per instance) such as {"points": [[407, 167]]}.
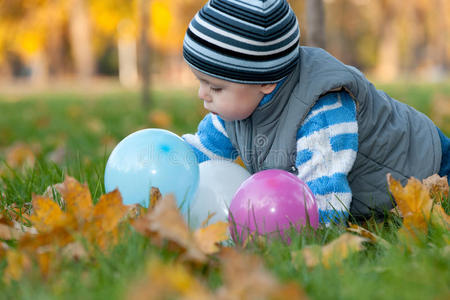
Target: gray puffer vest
{"points": [[393, 137]]}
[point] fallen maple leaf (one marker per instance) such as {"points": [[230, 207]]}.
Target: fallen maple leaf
{"points": [[77, 198], [8, 232], [75, 251], [245, 277], [155, 197], [165, 222], [3, 248], [134, 211], [168, 281], [104, 219], [331, 253], [207, 237], [414, 203], [58, 231], [15, 213], [17, 263], [369, 235], [440, 217], [160, 118], [47, 215], [95, 125], [20, 155], [58, 155], [438, 186]]}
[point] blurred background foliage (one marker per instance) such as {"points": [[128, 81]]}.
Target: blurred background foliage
{"points": [[46, 40], [74, 73]]}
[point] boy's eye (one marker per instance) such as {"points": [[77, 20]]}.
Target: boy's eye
{"points": [[215, 90]]}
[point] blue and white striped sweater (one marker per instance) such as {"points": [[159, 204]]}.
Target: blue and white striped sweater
{"points": [[327, 143]]}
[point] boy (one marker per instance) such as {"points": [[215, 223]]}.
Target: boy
{"points": [[279, 105]]}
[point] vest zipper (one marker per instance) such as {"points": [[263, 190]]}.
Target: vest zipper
{"points": [[249, 146]]}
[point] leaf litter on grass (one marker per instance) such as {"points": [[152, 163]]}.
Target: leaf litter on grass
{"points": [[416, 206], [60, 230]]}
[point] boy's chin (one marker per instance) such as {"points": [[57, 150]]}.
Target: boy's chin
{"points": [[227, 118]]}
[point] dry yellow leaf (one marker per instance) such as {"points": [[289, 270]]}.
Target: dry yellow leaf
{"points": [[58, 230], [77, 198], [9, 233], [160, 119], [134, 211], [289, 291], [165, 222], [58, 237], [165, 219], [332, 253], [168, 281], [208, 237], [14, 213], [369, 235], [155, 197], [108, 211], [17, 263], [3, 249], [439, 216], [245, 277], [414, 203], [47, 214], [44, 259], [75, 251], [20, 155], [106, 216], [438, 186], [58, 155], [95, 125]]}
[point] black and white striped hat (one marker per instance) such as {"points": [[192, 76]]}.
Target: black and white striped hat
{"points": [[251, 41]]}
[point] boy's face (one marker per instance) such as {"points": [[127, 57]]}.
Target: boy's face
{"points": [[231, 101]]}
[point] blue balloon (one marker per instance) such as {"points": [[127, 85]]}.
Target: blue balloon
{"points": [[153, 157]]}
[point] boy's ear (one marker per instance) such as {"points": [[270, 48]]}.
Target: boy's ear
{"points": [[268, 88]]}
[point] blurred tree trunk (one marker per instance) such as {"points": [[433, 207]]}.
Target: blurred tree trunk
{"points": [[387, 67], [39, 68], [55, 50], [315, 23], [445, 33], [80, 39], [126, 44], [437, 38], [144, 51]]}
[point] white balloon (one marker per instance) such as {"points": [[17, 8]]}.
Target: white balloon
{"points": [[218, 182]]}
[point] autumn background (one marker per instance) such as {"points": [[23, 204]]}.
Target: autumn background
{"points": [[77, 76]]}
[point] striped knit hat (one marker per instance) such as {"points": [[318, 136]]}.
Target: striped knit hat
{"points": [[243, 41]]}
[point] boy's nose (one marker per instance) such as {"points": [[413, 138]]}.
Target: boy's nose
{"points": [[203, 94]]}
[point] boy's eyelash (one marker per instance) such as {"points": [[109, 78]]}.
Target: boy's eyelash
{"points": [[215, 90]]}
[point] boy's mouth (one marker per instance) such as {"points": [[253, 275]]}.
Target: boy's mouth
{"points": [[213, 112]]}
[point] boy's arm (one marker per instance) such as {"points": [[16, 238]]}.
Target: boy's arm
{"points": [[327, 143], [211, 140]]}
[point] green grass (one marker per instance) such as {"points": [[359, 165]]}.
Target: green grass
{"points": [[50, 120]]}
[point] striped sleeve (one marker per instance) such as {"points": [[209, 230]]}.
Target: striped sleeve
{"points": [[211, 140], [327, 143]]}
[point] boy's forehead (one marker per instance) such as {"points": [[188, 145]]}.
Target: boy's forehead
{"points": [[208, 78]]}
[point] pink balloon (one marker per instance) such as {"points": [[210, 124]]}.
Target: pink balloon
{"points": [[269, 202]]}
